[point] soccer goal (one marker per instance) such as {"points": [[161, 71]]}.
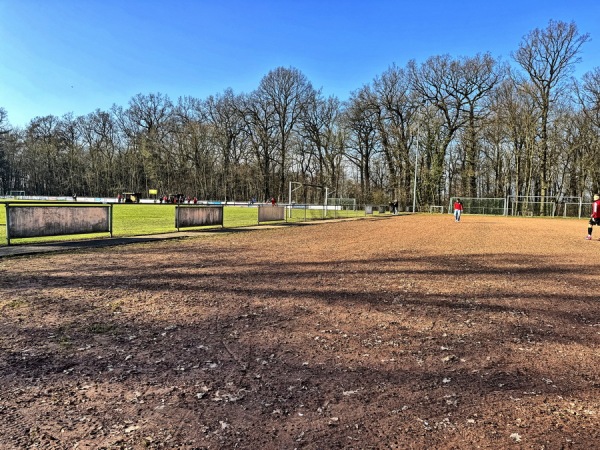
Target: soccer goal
{"points": [[436, 209], [570, 207], [480, 205], [342, 207], [531, 205], [342, 203], [313, 200]]}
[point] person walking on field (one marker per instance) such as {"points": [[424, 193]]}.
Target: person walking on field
{"points": [[595, 218], [458, 209]]}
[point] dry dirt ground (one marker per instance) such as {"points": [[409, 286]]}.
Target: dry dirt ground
{"points": [[403, 332]]}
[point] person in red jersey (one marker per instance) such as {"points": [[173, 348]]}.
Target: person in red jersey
{"points": [[595, 218], [458, 209]]}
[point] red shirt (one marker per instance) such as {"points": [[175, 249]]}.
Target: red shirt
{"points": [[458, 205], [596, 210]]}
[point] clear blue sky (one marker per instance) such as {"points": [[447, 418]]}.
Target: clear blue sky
{"points": [[60, 56]]}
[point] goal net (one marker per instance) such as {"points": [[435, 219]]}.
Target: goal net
{"points": [[477, 205], [531, 206], [570, 207], [342, 203]]}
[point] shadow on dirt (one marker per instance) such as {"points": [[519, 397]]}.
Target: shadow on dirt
{"points": [[223, 347]]}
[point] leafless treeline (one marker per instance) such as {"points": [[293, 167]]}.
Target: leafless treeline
{"points": [[474, 127]]}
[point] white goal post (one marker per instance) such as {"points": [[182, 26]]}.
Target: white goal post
{"points": [[296, 185], [480, 205], [436, 209]]}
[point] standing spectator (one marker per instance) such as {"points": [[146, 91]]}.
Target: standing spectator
{"points": [[195, 200], [595, 218], [273, 201], [458, 209], [395, 207], [119, 198]]}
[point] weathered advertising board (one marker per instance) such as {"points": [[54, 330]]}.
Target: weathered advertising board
{"points": [[38, 220], [198, 216], [267, 213]]}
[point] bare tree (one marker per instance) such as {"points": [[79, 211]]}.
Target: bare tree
{"points": [[588, 94], [288, 92], [395, 109], [193, 157], [437, 82], [150, 118], [4, 142], [516, 113], [101, 139], [361, 122], [548, 56], [260, 131], [479, 76], [321, 131], [223, 114], [71, 154], [42, 158], [4, 126]]}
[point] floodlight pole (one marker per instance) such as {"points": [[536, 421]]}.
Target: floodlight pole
{"points": [[415, 183]]}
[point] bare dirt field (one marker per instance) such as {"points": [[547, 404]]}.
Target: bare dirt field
{"points": [[399, 332]]}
